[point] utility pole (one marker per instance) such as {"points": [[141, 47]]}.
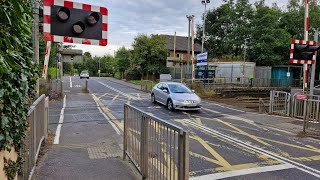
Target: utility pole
{"points": [[192, 26], [188, 65], [35, 38], [174, 44], [244, 59], [204, 2], [306, 31], [313, 72], [99, 67]]}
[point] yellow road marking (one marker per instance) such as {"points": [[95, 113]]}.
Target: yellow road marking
{"points": [[237, 129], [311, 158], [236, 167], [219, 159], [115, 97], [107, 111]]}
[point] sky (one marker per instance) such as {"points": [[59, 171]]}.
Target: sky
{"points": [[129, 18]]}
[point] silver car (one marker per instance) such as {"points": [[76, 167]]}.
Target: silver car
{"points": [[175, 96]]}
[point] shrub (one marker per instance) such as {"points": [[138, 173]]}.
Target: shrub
{"points": [[133, 75]]}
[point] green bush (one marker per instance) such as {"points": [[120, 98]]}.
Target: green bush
{"points": [[133, 75], [52, 72]]}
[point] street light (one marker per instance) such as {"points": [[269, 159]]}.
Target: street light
{"points": [[204, 2]]}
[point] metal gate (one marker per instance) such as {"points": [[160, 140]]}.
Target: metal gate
{"points": [[280, 103]]}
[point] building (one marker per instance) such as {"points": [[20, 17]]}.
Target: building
{"points": [[181, 53], [181, 50]]}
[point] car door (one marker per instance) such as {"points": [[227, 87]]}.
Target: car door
{"points": [[157, 92], [164, 95]]}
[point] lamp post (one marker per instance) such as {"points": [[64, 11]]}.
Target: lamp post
{"points": [[204, 2]]}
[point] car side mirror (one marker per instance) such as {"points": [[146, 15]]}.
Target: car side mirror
{"points": [[165, 90], [193, 91]]}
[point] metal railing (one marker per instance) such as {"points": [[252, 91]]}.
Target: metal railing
{"points": [[256, 82], [156, 147], [263, 108], [280, 103], [147, 85], [37, 120]]}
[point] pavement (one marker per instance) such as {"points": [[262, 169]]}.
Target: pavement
{"points": [[85, 144], [225, 142]]}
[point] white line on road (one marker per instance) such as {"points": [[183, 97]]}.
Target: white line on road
{"points": [[116, 90], [105, 116], [70, 83], [243, 172], [274, 156], [58, 131], [229, 108]]}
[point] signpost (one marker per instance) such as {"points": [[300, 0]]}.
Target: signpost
{"points": [[301, 96], [202, 59]]}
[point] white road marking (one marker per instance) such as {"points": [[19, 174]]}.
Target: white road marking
{"points": [[244, 172], [78, 86], [105, 116], [70, 83], [228, 108], [103, 95], [58, 131], [116, 90], [274, 156]]}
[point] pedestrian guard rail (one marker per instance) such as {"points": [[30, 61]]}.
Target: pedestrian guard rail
{"points": [[300, 105], [156, 147], [37, 121]]}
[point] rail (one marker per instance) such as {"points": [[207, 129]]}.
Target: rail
{"points": [[156, 147], [37, 121]]}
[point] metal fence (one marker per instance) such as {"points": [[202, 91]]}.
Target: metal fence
{"points": [[158, 149], [280, 103], [147, 85], [307, 109], [37, 120], [256, 82]]}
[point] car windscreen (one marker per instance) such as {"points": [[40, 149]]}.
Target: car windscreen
{"points": [[179, 88], [84, 73]]}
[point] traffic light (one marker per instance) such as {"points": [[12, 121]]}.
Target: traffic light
{"points": [[78, 23], [72, 22], [303, 52]]}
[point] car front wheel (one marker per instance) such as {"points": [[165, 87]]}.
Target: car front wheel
{"points": [[170, 105], [153, 98]]}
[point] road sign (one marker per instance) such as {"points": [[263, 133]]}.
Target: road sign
{"points": [[71, 22], [301, 97], [202, 59], [303, 52]]}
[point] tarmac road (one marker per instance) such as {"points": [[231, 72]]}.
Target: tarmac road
{"points": [[225, 142]]}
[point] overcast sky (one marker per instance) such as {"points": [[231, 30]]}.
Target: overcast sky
{"points": [[128, 18]]}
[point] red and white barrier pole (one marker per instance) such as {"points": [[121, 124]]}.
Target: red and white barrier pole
{"points": [[46, 60], [306, 31]]}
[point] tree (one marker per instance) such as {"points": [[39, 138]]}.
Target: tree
{"points": [[150, 53], [123, 60], [269, 44], [219, 26], [18, 76]]}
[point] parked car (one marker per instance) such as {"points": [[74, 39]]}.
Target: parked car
{"points": [[175, 96], [84, 74]]}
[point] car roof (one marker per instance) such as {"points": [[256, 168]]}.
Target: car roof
{"points": [[172, 83]]}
